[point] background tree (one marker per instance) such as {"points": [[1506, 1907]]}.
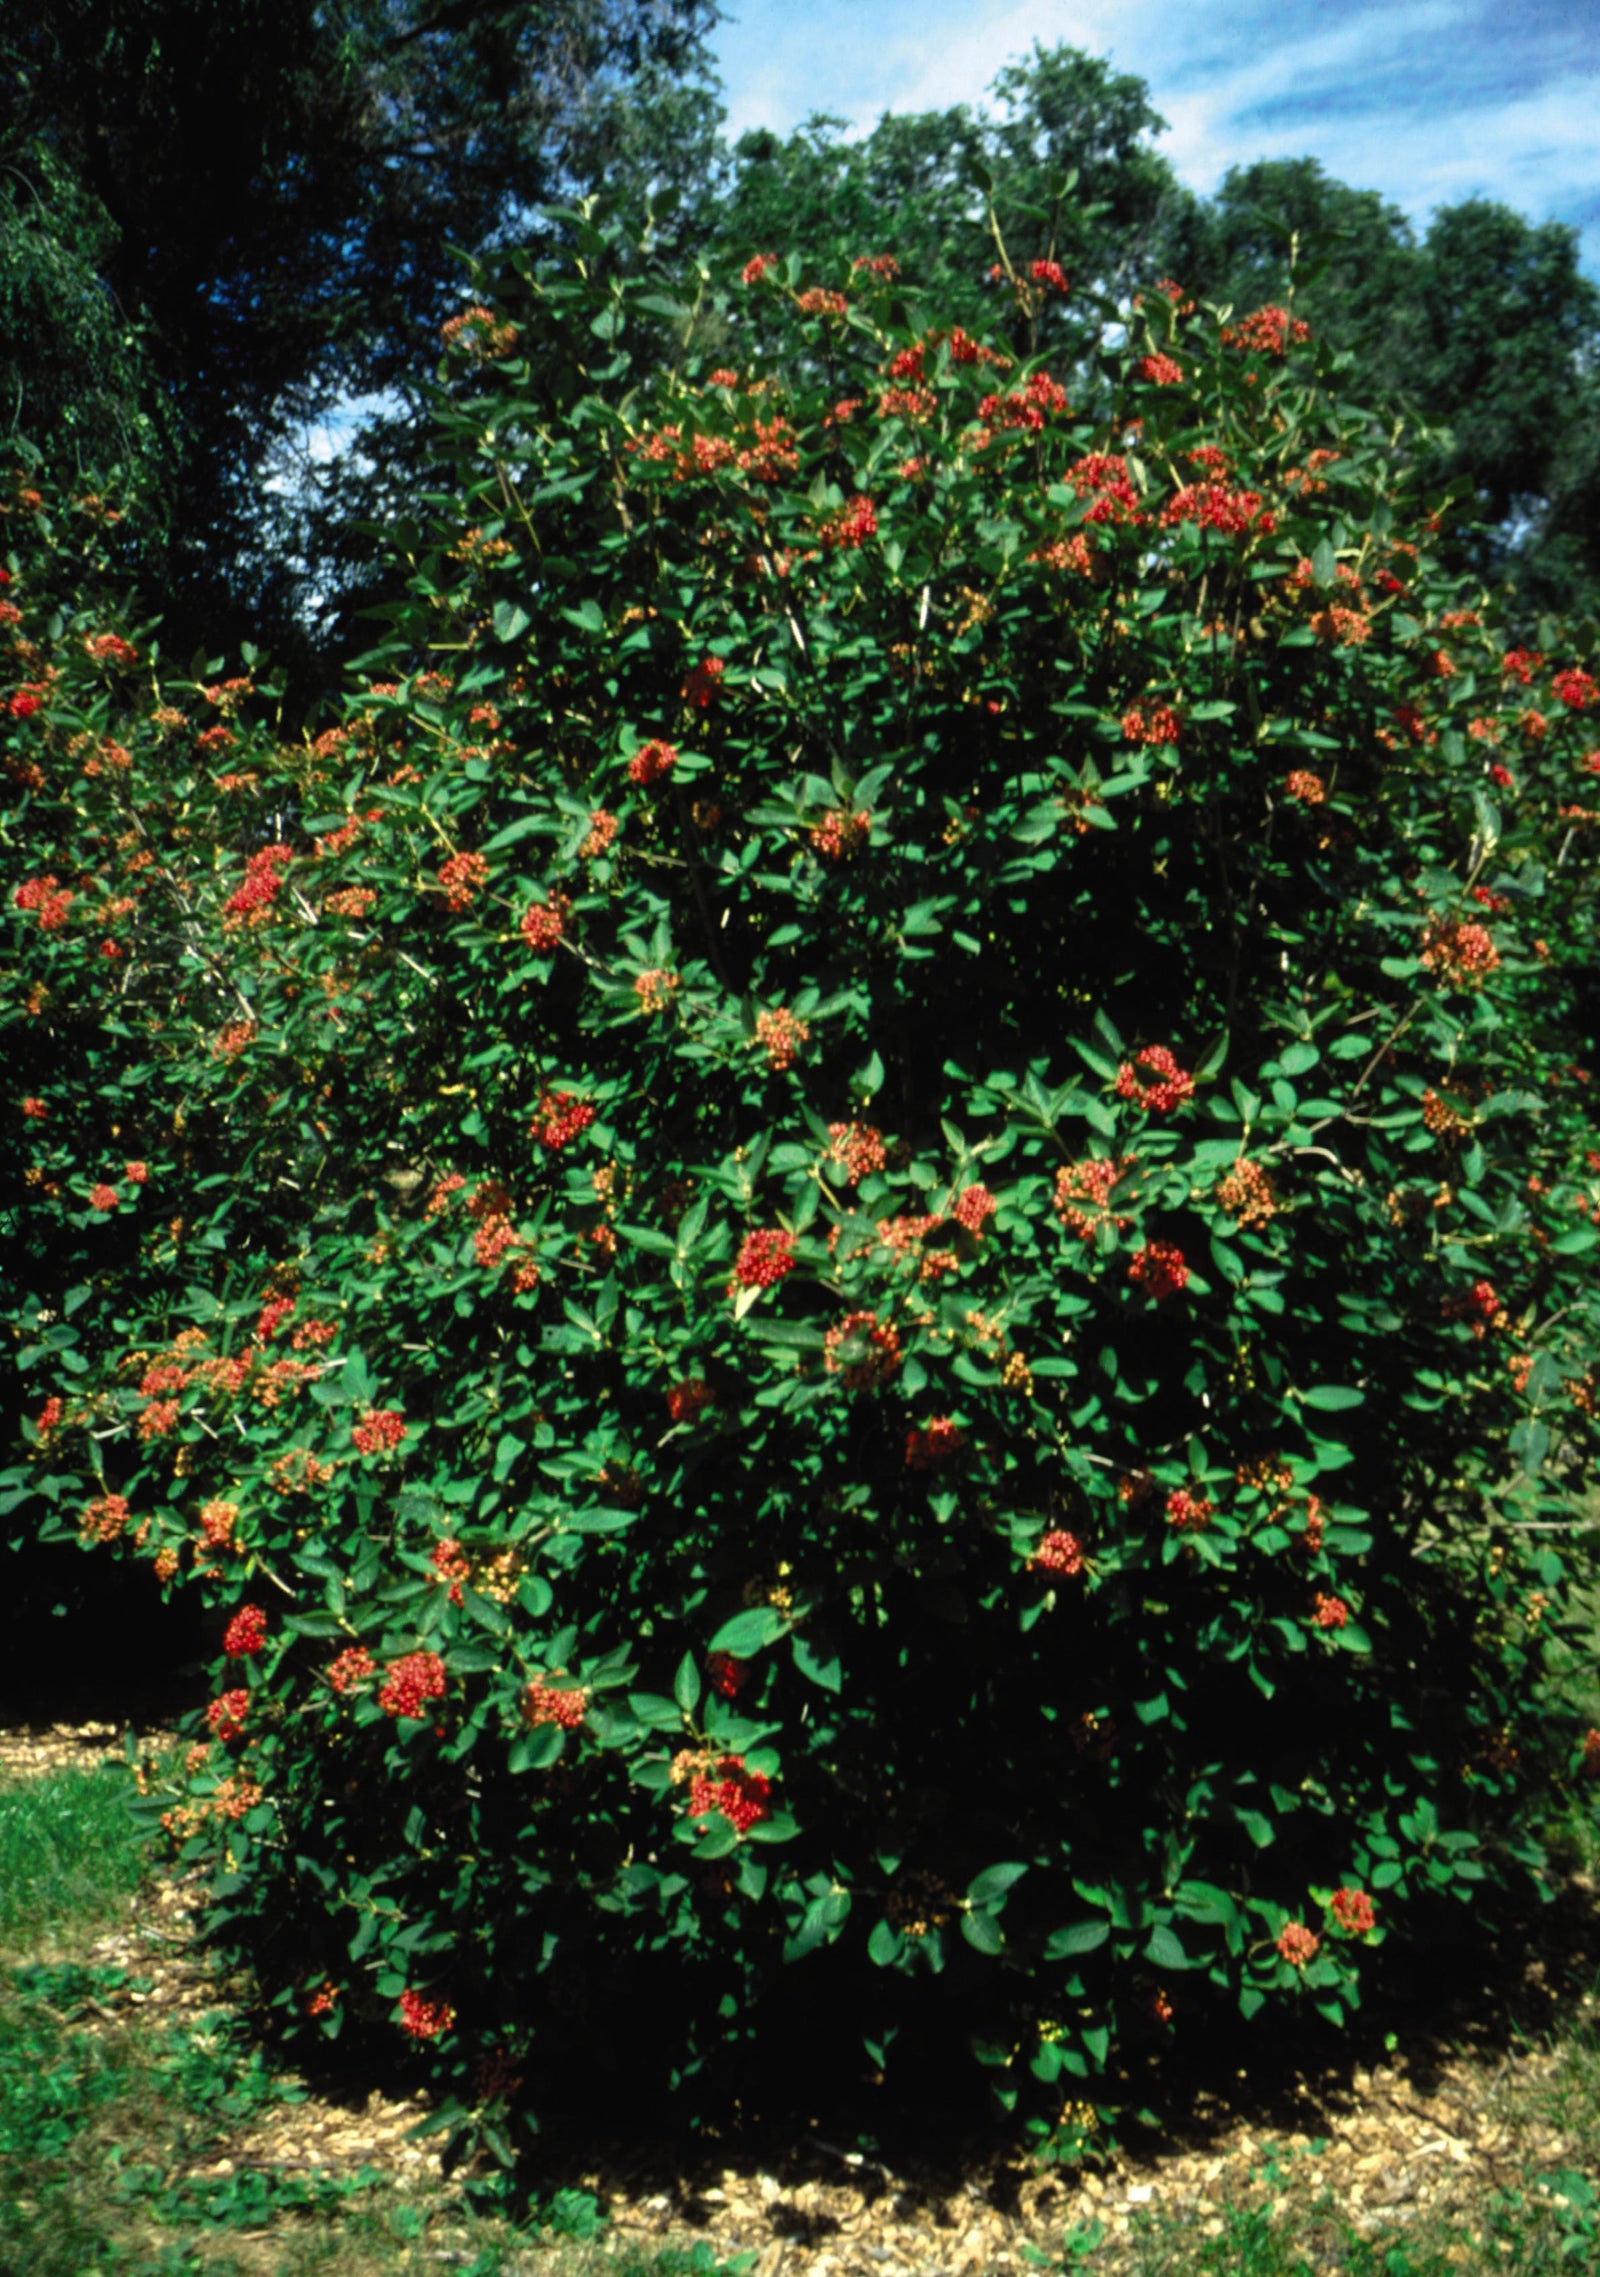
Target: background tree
{"points": [[1065, 157], [73, 366], [269, 193]]}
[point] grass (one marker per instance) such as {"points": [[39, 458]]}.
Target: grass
{"points": [[70, 1857], [1548, 2228], [119, 2127]]}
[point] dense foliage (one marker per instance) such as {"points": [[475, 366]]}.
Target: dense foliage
{"points": [[1482, 333], [855, 1246]]}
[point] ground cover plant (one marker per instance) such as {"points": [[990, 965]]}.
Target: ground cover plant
{"points": [[854, 1247]]}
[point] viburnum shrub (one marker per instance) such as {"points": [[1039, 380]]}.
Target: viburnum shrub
{"points": [[863, 1265]]}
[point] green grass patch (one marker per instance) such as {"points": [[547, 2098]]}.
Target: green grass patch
{"points": [[1549, 2228], [71, 1856]]}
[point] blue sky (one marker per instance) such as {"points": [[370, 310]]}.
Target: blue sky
{"points": [[1427, 101]]}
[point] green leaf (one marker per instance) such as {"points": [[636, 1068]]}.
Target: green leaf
{"points": [[1330, 1398], [511, 620], [686, 1684], [885, 1945], [1081, 1937], [982, 1932], [1165, 1948], [991, 1885], [747, 1633], [811, 1664]]}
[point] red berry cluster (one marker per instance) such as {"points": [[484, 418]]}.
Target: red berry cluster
{"points": [[1083, 1192], [1025, 408], [655, 989], [1246, 1193], [217, 1521], [728, 1675], [1354, 1911], [263, 876], [1187, 1513], [704, 683], [226, 1714], [688, 1401], [450, 1564], [1160, 1270], [780, 1034], [1265, 332], [723, 1783], [1160, 724], [857, 1148], [379, 1429], [1154, 1080], [491, 1241], [246, 1633], [764, 1258], [351, 1668], [544, 924], [461, 878], [1309, 789], [1059, 1552], [1577, 690], [973, 1207], [652, 763], [563, 1705], [477, 336], [839, 835], [1298, 1944], [1462, 954], [561, 1118], [851, 527], [44, 895], [274, 1312], [1161, 371], [1213, 506], [1329, 1612], [410, 1682], [931, 1444], [1104, 476], [425, 2019]]}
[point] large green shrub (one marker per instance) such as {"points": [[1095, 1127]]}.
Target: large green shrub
{"points": [[858, 1243]]}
